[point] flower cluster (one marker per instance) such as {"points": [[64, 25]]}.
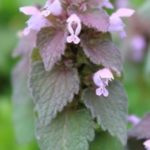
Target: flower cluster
{"points": [[39, 18], [65, 20]]}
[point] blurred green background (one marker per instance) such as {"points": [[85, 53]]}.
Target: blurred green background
{"points": [[137, 86]]}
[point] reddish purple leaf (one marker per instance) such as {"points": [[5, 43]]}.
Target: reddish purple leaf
{"points": [[100, 50], [25, 46], [97, 19], [51, 43]]}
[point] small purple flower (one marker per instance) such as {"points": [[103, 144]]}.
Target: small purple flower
{"points": [[74, 28], [133, 119], [138, 44], [107, 4], [116, 23], [36, 21], [147, 144], [101, 79], [52, 7]]}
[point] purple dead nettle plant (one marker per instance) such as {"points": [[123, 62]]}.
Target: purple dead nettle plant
{"points": [[73, 61]]}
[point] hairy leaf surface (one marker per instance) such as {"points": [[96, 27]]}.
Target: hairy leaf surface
{"points": [[51, 43], [99, 48], [97, 19], [70, 130], [23, 115], [111, 111], [52, 90]]}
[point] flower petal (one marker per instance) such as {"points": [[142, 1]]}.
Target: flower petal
{"points": [[99, 91], [105, 92], [105, 73], [124, 12], [36, 22], [147, 144], [29, 10]]}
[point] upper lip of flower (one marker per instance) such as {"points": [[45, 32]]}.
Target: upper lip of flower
{"points": [[102, 75]]}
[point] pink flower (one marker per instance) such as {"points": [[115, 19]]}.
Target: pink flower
{"points": [[36, 21], [107, 4], [138, 44], [52, 7], [147, 144], [101, 79], [116, 23], [74, 28], [133, 119]]}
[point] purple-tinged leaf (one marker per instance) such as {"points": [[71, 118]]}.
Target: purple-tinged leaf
{"points": [[77, 2], [99, 48], [52, 44], [97, 19], [52, 90], [70, 130], [111, 111], [142, 129], [26, 44]]}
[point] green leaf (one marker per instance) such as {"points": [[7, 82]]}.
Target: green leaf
{"points": [[99, 48], [111, 111], [104, 141], [23, 115], [70, 130], [52, 90]]}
